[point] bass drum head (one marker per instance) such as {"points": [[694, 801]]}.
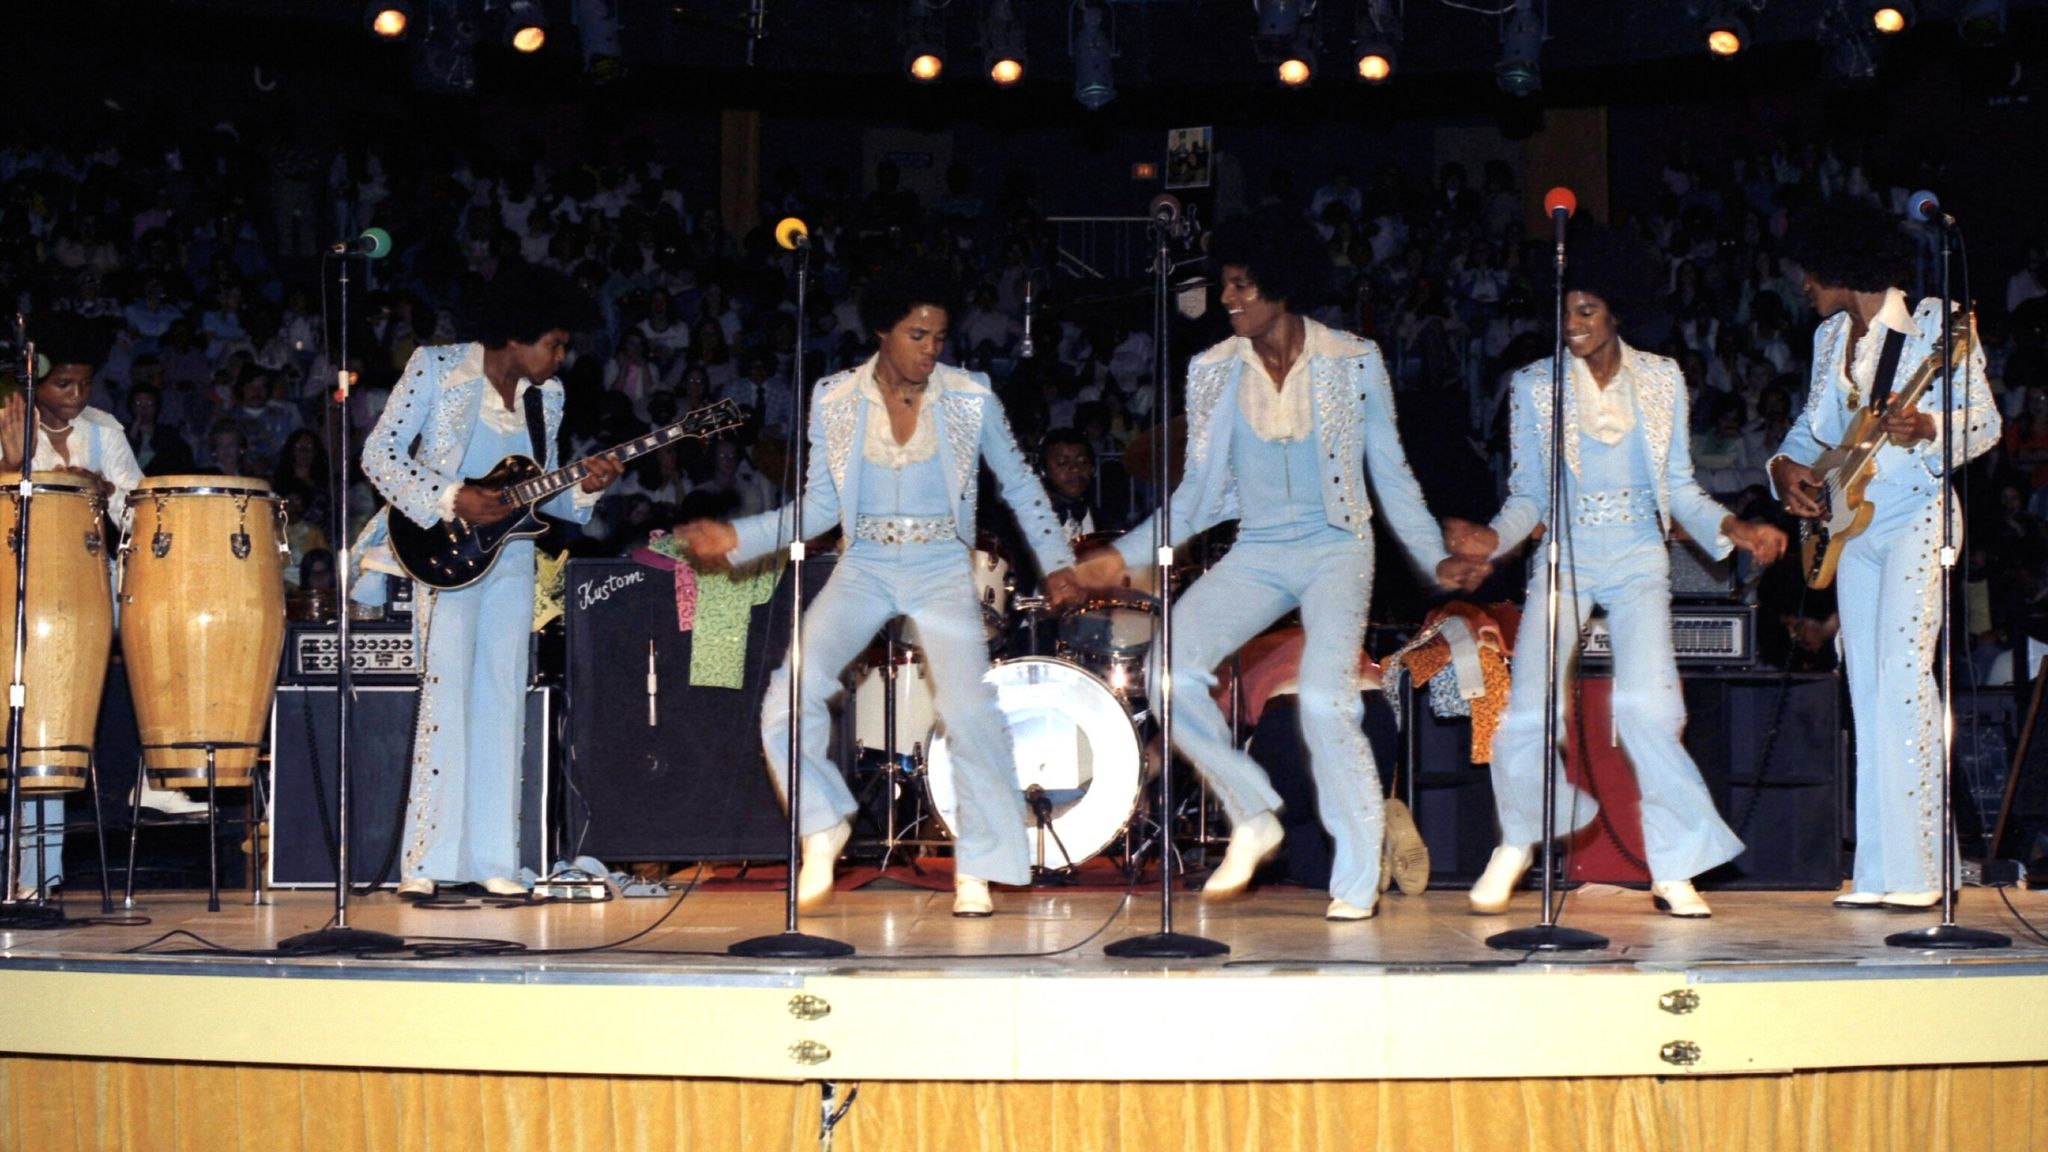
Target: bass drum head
{"points": [[1073, 739]]}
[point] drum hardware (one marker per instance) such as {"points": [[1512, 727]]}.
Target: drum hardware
{"points": [[239, 541], [253, 822], [1040, 806]]}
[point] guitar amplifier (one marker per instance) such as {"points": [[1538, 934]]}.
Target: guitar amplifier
{"points": [[384, 653], [1702, 636]]}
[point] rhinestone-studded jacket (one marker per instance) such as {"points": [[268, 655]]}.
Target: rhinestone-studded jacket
{"points": [[1353, 407], [972, 428]]}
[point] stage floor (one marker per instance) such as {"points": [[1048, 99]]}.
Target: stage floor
{"points": [[1776, 981]]}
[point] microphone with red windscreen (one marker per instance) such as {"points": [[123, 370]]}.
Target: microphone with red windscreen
{"points": [[1559, 203]]}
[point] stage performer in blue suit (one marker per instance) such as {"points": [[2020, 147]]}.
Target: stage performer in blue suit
{"points": [[1628, 478], [1287, 419], [1853, 257], [895, 445], [469, 406]]}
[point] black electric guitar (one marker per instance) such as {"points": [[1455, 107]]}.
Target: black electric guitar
{"points": [[455, 553]]}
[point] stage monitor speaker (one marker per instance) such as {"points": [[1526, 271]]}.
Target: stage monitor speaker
{"points": [[657, 768], [303, 728]]}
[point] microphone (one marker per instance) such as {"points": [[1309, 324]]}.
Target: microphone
{"points": [[374, 243], [1925, 206], [1559, 203], [1164, 209], [1024, 347], [792, 233]]}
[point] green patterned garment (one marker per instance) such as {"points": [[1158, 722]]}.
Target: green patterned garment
{"points": [[722, 613]]}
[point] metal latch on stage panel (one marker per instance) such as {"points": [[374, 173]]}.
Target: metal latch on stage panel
{"points": [[809, 1053], [1683, 1053], [805, 1006], [1679, 1001]]}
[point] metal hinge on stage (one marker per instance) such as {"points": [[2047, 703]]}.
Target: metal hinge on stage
{"points": [[382, 653], [1719, 636]]}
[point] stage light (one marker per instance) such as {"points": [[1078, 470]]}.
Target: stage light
{"points": [[1727, 28], [924, 63], [1296, 70], [597, 31], [1520, 71], [1091, 41], [388, 19], [1002, 41], [526, 26], [1892, 17], [1378, 31], [1981, 23]]}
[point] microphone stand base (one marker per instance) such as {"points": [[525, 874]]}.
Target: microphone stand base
{"points": [[1547, 938], [790, 946], [1166, 946], [1948, 936], [27, 917], [328, 940]]}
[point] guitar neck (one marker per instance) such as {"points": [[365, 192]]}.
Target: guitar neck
{"points": [[541, 487]]}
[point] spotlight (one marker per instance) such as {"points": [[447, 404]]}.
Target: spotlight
{"points": [[1002, 40], [1981, 23], [1520, 71], [597, 30], [526, 26], [924, 63], [1727, 28], [1378, 31], [1297, 69], [388, 19], [1091, 41], [924, 41], [1892, 17]]}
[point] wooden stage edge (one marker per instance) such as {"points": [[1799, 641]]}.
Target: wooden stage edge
{"points": [[1775, 982]]}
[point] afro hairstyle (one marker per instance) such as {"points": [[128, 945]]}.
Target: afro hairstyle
{"points": [[62, 338], [1282, 251], [1852, 244], [1616, 267], [903, 285], [525, 302]]}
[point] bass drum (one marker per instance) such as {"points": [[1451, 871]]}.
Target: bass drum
{"points": [[1073, 740]]}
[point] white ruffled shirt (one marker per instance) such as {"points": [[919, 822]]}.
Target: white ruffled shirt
{"points": [[1605, 414], [1284, 413], [878, 445], [1892, 316]]}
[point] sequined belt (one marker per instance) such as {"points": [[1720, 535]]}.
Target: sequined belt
{"points": [[904, 529], [1619, 506]]}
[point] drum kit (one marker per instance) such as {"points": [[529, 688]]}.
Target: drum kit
{"points": [[195, 591], [1076, 713]]}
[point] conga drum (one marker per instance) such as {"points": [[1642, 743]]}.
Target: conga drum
{"points": [[202, 623], [70, 624]]}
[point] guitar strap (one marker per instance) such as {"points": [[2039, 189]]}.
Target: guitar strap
{"points": [[1887, 368], [537, 422]]}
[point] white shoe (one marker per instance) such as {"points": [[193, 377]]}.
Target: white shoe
{"points": [[971, 900], [1859, 900], [1496, 886], [418, 886], [1911, 901], [1251, 844], [500, 886], [167, 801], [1680, 899], [821, 864], [1339, 910]]}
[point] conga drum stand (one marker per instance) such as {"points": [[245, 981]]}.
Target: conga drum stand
{"points": [[254, 822]]}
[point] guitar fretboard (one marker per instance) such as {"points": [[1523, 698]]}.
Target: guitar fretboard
{"points": [[707, 421]]}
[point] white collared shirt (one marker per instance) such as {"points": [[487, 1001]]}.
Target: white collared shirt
{"points": [[878, 444], [1861, 362], [1605, 414]]}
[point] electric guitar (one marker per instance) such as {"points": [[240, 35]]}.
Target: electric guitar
{"points": [[1845, 471], [456, 553]]}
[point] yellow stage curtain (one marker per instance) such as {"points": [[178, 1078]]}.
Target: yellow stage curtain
{"points": [[61, 1105]]}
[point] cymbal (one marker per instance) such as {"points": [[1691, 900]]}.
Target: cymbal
{"points": [[1139, 460]]}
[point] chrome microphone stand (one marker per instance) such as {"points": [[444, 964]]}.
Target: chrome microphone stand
{"points": [[1546, 935], [338, 936], [1165, 944], [790, 944], [21, 914], [1948, 934]]}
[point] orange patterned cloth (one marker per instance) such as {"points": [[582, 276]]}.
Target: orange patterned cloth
{"points": [[1428, 656]]}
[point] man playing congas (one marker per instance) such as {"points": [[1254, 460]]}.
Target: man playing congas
{"points": [[83, 441]]}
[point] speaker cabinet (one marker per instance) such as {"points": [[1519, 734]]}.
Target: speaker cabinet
{"points": [[304, 725], [1772, 750], [657, 768]]}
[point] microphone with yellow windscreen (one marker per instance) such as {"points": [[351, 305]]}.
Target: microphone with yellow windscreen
{"points": [[792, 233]]}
